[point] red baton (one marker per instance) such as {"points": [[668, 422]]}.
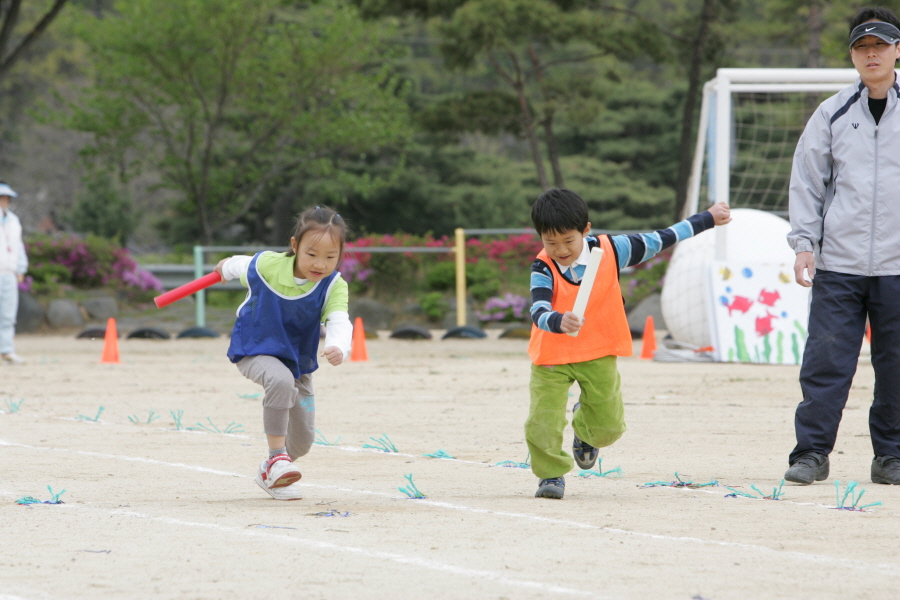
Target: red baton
{"points": [[187, 289]]}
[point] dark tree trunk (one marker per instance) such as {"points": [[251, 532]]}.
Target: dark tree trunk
{"points": [[688, 116], [528, 124], [552, 150], [10, 19]]}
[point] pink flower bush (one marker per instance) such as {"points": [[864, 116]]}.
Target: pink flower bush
{"points": [[87, 263]]}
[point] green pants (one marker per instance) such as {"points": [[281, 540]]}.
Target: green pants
{"points": [[599, 421]]}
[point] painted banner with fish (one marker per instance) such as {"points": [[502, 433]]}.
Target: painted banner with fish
{"points": [[759, 313]]}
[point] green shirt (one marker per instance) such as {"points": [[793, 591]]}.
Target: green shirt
{"points": [[277, 269]]}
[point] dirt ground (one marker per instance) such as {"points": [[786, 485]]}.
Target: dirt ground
{"points": [[151, 511]]}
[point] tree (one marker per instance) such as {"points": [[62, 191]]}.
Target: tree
{"points": [[699, 57], [531, 45], [10, 16], [103, 210], [223, 98]]}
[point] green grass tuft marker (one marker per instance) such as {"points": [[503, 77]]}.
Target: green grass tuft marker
{"points": [[439, 454], [323, 441], [94, 419], [150, 417], [600, 472], [850, 491], [680, 483], [177, 418], [13, 406], [412, 492], [384, 444]]}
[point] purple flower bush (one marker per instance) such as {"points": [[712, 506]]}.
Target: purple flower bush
{"points": [[504, 309], [60, 263], [26, 284], [353, 269]]}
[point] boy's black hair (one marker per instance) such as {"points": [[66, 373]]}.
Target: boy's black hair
{"points": [[558, 210], [878, 13]]}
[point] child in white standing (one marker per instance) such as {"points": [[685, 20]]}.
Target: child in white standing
{"points": [[13, 264], [276, 337]]}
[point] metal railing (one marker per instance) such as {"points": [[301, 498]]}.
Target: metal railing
{"points": [[175, 275]]}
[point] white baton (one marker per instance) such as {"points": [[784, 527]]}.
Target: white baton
{"points": [[587, 282]]}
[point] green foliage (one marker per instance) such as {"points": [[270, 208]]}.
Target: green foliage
{"points": [[221, 98], [224, 298], [491, 112], [443, 187], [434, 305], [441, 277], [103, 210], [49, 279], [485, 278], [615, 198]]}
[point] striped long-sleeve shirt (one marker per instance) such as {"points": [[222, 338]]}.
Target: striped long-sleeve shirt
{"points": [[630, 250]]}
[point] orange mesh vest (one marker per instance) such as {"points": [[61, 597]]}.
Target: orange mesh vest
{"points": [[605, 330]]}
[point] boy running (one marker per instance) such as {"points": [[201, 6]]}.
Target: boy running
{"points": [[561, 219]]}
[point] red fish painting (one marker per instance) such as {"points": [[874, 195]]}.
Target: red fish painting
{"points": [[768, 298], [764, 324], [740, 303]]}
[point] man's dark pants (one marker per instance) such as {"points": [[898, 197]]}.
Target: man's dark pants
{"points": [[837, 322]]}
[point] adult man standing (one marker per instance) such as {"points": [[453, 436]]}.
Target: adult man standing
{"points": [[845, 219], [13, 264]]}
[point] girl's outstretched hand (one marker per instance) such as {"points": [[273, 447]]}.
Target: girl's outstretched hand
{"points": [[333, 355], [219, 269], [721, 213]]}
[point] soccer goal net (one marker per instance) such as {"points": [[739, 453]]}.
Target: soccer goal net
{"points": [[750, 122]]}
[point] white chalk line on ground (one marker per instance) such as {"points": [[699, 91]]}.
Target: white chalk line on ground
{"points": [[376, 451], [854, 564], [422, 563]]}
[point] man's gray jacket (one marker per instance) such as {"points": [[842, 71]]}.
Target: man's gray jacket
{"points": [[845, 185]]}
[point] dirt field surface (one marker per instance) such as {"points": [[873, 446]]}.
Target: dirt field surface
{"points": [[151, 511]]}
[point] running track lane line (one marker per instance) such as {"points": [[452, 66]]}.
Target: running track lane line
{"points": [[421, 563], [854, 564]]}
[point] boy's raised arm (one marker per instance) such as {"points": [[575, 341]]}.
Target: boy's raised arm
{"points": [[635, 248]]}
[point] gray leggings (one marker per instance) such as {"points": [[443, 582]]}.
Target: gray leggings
{"points": [[289, 406]]}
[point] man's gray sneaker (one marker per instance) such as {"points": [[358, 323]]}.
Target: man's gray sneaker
{"points": [[809, 467], [554, 487], [886, 469], [585, 454]]}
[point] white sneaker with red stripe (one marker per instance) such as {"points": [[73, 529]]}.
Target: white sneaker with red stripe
{"points": [[288, 492], [277, 472]]}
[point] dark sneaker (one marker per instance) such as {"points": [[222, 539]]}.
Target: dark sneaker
{"points": [[810, 467], [585, 454], [886, 469], [551, 488]]}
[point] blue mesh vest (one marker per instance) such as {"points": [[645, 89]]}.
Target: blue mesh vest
{"points": [[286, 327]]}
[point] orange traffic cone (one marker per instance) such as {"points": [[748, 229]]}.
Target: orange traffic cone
{"points": [[110, 343], [869, 334], [649, 340], [359, 352]]}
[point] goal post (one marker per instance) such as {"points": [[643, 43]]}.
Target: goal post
{"points": [[732, 289], [721, 136]]}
